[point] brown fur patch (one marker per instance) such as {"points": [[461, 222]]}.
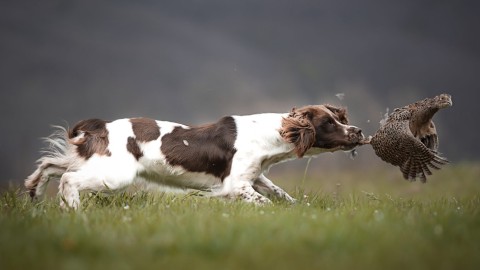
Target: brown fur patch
{"points": [[340, 113], [298, 129], [209, 148], [94, 140], [132, 147], [145, 129]]}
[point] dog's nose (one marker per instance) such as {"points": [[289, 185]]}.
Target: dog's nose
{"points": [[355, 130]]}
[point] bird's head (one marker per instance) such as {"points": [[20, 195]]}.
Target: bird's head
{"points": [[442, 101]]}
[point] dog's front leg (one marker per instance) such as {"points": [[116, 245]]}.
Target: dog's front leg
{"points": [[248, 194], [239, 185], [265, 186]]}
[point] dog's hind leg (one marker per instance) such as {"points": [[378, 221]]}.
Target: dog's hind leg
{"points": [[72, 183], [37, 182], [56, 160]]}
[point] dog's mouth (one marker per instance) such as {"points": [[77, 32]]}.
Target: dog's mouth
{"points": [[354, 140], [349, 147]]}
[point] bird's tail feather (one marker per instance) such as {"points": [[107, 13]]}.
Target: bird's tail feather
{"points": [[417, 167]]}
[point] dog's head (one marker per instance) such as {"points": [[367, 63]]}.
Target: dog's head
{"points": [[324, 127]]}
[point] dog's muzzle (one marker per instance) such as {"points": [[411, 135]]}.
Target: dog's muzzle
{"points": [[355, 135]]}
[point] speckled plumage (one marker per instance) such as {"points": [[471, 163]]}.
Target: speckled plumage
{"points": [[408, 138]]}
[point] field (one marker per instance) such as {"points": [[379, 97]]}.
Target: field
{"points": [[364, 220]]}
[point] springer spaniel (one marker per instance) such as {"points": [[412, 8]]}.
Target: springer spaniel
{"points": [[226, 158]]}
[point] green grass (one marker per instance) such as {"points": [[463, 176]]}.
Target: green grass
{"points": [[362, 220]]}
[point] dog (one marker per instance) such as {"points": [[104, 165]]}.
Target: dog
{"points": [[227, 158]]}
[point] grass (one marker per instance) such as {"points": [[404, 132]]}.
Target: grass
{"points": [[359, 221]]}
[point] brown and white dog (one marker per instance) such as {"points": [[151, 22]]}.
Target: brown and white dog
{"points": [[227, 158]]}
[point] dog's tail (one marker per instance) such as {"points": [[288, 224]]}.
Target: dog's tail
{"points": [[56, 160]]}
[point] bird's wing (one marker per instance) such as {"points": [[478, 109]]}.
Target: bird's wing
{"points": [[395, 143], [430, 141], [428, 136]]}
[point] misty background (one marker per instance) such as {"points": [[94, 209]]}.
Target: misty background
{"points": [[195, 61]]}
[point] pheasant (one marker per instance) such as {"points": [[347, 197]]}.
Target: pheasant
{"points": [[408, 138]]}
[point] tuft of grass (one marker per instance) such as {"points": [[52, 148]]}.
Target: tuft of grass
{"points": [[347, 226]]}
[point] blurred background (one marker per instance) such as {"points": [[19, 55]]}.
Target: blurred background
{"points": [[195, 61]]}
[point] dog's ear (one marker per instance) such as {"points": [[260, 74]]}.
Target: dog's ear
{"points": [[340, 112], [298, 129]]}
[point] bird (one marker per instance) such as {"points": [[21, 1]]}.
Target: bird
{"points": [[408, 138]]}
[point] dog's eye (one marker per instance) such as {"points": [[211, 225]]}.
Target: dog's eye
{"points": [[329, 123]]}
